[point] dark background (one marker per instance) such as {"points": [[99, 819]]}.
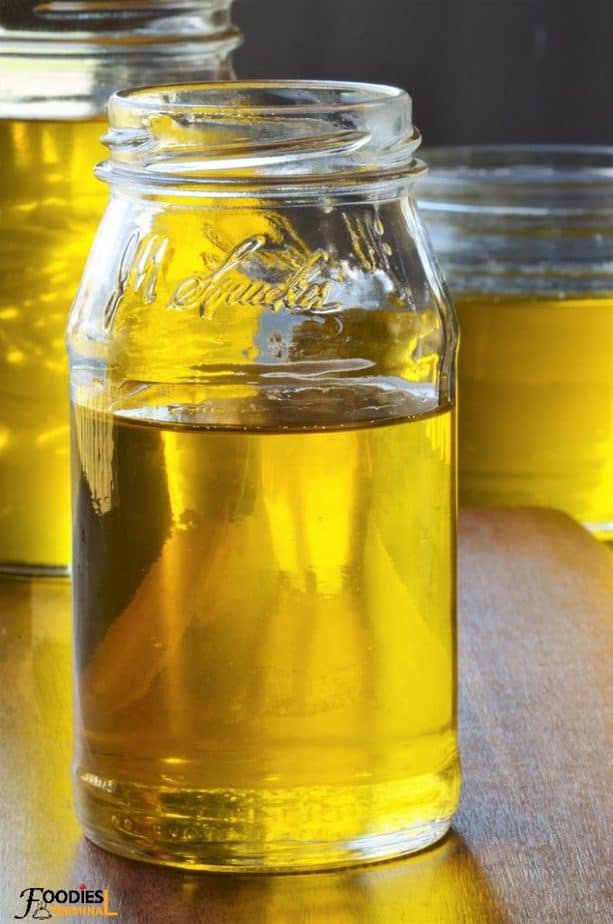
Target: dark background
{"points": [[478, 70]]}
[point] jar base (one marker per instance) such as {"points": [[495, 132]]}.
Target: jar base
{"points": [[137, 822], [370, 849]]}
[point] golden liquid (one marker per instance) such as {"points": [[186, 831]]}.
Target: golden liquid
{"points": [[265, 639], [50, 206], [536, 405]]}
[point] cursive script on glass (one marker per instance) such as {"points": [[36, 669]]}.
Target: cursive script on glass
{"points": [[139, 267], [230, 284]]}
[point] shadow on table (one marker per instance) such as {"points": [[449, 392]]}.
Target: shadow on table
{"points": [[443, 885]]}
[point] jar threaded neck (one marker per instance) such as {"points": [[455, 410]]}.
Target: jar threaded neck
{"points": [[65, 59], [262, 137]]}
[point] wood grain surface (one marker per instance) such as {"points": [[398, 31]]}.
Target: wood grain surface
{"points": [[530, 843]]}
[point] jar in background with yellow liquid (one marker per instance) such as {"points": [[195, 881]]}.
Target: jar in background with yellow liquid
{"points": [[525, 237], [262, 362], [59, 63]]}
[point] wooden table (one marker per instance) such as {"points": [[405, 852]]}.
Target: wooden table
{"points": [[530, 840]]}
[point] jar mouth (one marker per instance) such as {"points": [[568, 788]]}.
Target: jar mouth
{"points": [[530, 179], [237, 137], [258, 97]]}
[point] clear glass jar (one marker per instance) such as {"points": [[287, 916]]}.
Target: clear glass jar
{"points": [[59, 64], [525, 236], [262, 382]]}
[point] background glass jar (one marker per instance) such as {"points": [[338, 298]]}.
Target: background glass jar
{"points": [[525, 236], [60, 62], [262, 384]]}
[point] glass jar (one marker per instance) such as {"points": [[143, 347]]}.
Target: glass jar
{"points": [[525, 236], [60, 62], [262, 383]]}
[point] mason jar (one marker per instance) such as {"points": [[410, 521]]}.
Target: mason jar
{"points": [[59, 63], [525, 236], [262, 359]]}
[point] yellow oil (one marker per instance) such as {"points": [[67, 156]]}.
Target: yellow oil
{"points": [[50, 207], [536, 405], [265, 638]]}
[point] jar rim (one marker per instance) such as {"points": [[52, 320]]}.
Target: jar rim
{"points": [[508, 162], [520, 178], [155, 97], [251, 137], [42, 24]]}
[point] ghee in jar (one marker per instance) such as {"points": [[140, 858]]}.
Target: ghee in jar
{"points": [[51, 206], [266, 631], [536, 406]]}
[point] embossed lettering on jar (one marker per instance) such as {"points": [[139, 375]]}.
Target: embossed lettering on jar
{"points": [[262, 386]]}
